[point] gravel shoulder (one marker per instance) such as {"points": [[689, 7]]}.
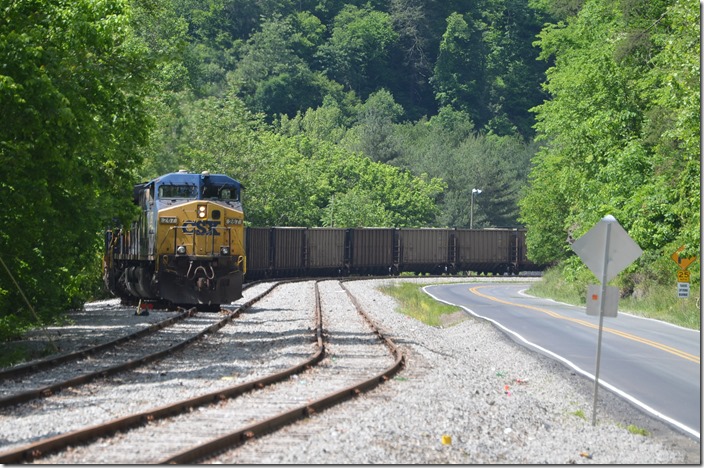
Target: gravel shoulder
{"points": [[465, 383]]}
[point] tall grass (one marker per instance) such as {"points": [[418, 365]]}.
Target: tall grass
{"points": [[653, 300]]}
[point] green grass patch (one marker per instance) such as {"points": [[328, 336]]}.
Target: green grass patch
{"points": [[579, 413], [415, 303], [662, 303], [13, 353], [11, 356], [637, 430]]}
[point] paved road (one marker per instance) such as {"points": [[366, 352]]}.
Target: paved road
{"points": [[653, 364]]}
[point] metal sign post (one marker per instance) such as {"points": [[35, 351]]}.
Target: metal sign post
{"points": [[606, 249], [602, 297]]}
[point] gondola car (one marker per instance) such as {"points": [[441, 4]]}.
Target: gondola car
{"points": [[187, 246]]}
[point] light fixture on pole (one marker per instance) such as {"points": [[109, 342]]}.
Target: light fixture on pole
{"points": [[471, 208]]}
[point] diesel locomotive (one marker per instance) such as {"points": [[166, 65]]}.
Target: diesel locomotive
{"points": [[187, 246]]}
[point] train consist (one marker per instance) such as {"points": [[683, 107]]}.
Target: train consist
{"points": [[185, 248], [290, 251], [189, 247]]}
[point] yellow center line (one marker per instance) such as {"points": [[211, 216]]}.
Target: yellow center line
{"points": [[654, 344]]}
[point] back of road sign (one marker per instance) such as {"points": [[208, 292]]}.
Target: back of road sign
{"points": [[610, 300], [622, 250]]}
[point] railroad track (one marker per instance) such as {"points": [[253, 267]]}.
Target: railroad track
{"points": [[192, 433], [353, 369], [50, 376], [56, 360], [61, 382]]}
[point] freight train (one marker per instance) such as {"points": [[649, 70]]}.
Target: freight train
{"points": [[189, 247], [185, 248], [293, 251]]}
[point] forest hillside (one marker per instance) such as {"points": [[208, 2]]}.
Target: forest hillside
{"points": [[348, 113]]}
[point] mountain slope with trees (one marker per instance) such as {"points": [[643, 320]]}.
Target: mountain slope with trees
{"points": [[621, 134], [348, 113]]}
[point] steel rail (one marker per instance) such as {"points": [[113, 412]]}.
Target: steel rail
{"points": [[85, 378], [24, 369], [28, 368], [243, 434], [29, 452]]}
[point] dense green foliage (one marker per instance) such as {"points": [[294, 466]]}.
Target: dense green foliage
{"points": [[367, 78], [293, 180], [348, 114], [621, 133], [72, 79]]}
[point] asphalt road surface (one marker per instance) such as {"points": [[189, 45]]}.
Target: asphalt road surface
{"points": [[653, 364]]}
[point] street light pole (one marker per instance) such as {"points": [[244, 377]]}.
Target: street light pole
{"points": [[471, 208]]}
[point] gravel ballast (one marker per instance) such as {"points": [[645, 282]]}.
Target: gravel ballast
{"points": [[467, 395]]}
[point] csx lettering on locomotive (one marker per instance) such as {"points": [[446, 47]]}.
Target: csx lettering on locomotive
{"points": [[201, 227]]}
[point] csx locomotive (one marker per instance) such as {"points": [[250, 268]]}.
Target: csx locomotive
{"points": [[187, 246]]}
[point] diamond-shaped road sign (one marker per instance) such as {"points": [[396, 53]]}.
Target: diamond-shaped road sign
{"points": [[606, 249], [622, 250], [683, 263]]}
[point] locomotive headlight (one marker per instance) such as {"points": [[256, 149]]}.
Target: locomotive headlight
{"points": [[202, 211], [181, 250], [224, 250]]}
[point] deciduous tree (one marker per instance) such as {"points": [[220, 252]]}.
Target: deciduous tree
{"points": [[73, 77]]}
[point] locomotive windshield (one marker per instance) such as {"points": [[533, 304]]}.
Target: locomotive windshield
{"points": [[221, 192], [178, 191]]}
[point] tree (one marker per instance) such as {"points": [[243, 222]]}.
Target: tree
{"points": [[513, 73], [448, 147], [289, 180], [374, 133], [621, 131], [499, 167], [355, 208], [272, 77], [356, 53], [411, 58], [72, 89], [458, 78], [329, 122]]}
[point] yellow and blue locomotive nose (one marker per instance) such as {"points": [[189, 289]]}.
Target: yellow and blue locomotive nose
{"points": [[187, 246], [198, 261]]}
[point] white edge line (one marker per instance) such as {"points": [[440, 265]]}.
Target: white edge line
{"points": [[577, 368]]}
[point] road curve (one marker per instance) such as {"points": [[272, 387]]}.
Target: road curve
{"points": [[653, 364]]}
